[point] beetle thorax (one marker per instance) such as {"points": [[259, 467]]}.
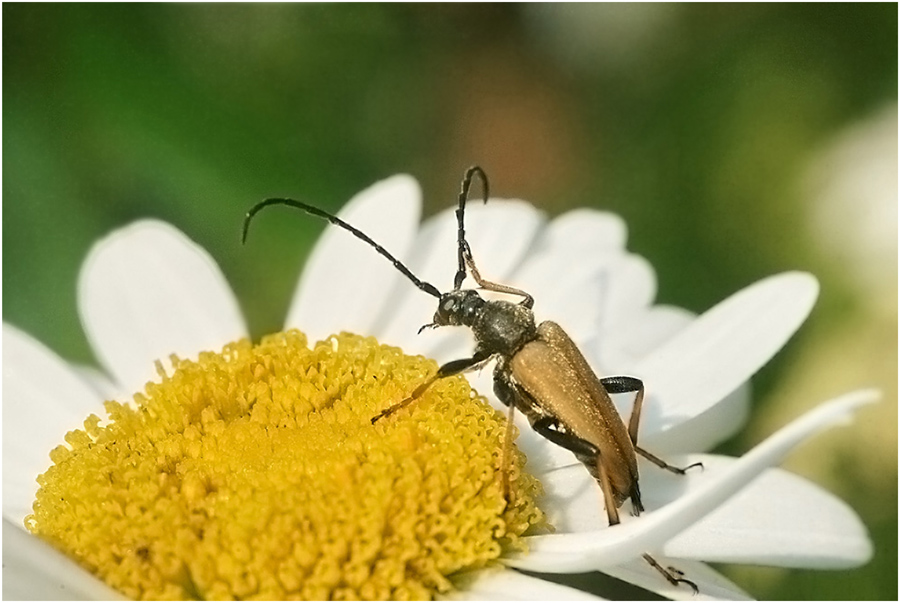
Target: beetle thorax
{"points": [[503, 327]]}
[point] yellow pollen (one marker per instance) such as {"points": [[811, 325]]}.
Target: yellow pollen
{"points": [[257, 474]]}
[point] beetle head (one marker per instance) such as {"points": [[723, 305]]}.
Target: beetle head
{"points": [[456, 307]]}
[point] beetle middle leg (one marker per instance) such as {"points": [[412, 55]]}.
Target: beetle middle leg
{"points": [[623, 385], [548, 427], [509, 395], [505, 455]]}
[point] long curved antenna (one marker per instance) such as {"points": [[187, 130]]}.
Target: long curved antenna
{"points": [[463, 252], [319, 213]]}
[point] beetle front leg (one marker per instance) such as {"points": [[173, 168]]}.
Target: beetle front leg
{"points": [[454, 367], [487, 285]]}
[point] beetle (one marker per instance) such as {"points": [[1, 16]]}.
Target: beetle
{"points": [[539, 371]]}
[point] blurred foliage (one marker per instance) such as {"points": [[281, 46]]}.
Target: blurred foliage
{"points": [[694, 122]]}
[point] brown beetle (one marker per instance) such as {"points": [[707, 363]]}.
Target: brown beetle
{"points": [[539, 371]]}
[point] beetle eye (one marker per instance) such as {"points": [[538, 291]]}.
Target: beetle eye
{"points": [[449, 305]]}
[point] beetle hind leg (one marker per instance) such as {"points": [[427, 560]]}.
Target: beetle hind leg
{"points": [[624, 385], [673, 575], [662, 464]]}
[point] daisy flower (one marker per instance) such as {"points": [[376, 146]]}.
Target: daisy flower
{"points": [[153, 304]]}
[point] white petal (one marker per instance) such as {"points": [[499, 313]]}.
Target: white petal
{"points": [[570, 267], [43, 399], [701, 432], [568, 289], [712, 585], [723, 348], [588, 230], [618, 348], [779, 519], [345, 282], [495, 584], [146, 291], [35, 571], [572, 498], [701, 492], [588, 294], [499, 234], [630, 287], [623, 344]]}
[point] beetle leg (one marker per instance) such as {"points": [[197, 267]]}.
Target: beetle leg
{"points": [[507, 451], [623, 385], [547, 427], [454, 367], [661, 463], [512, 397], [487, 285], [671, 574], [464, 252]]}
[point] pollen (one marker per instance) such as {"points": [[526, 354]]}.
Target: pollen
{"points": [[257, 473]]}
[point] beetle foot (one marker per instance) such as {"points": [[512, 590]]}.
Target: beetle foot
{"points": [[683, 470], [672, 574]]}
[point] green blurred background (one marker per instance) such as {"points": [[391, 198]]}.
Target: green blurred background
{"points": [[736, 141]]}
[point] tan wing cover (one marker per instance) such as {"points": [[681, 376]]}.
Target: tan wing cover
{"points": [[555, 374]]}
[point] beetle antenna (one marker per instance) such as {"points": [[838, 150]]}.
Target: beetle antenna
{"points": [[320, 213], [463, 250]]}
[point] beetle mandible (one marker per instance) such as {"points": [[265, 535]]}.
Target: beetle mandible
{"points": [[539, 371]]}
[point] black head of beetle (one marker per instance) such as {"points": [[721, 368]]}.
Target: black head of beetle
{"points": [[459, 307]]}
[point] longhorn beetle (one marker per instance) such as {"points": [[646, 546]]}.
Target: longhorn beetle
{"points": [[539, 371]]}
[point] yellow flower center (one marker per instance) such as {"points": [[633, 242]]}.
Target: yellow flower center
{"points": [[257, 473]]}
